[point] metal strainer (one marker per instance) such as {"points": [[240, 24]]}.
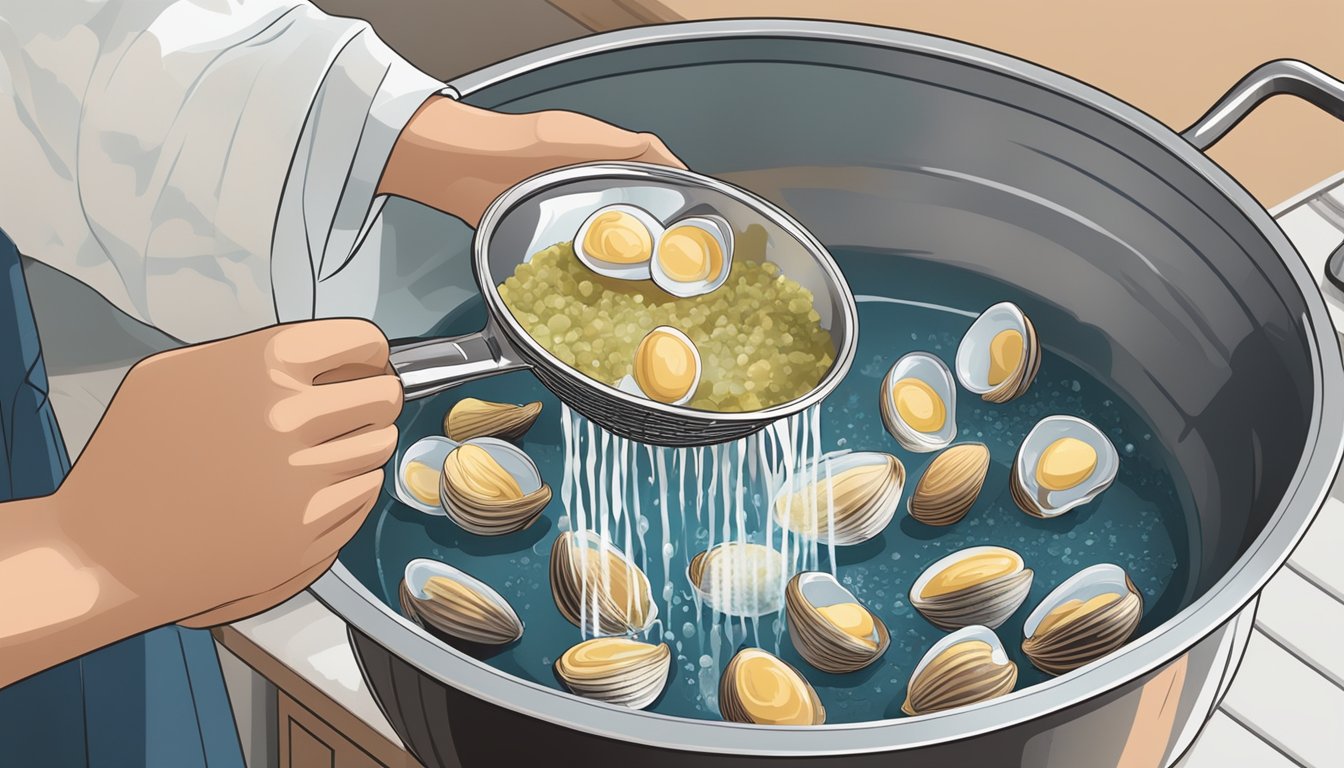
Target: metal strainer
{"points": [[548, 209]]}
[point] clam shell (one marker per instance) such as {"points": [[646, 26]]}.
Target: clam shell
{"points": [[864, 504], [1072, 644], [634, 678], [471, 417], [736, 705], [430, 451], [966, 676], [634, 271], [476, 613], [717, 227], [934, 372], [579, 581], [988, 603], [496, 517], [950, 485], [739, 579], [823, 644], [1039, 502], [973, 354]]}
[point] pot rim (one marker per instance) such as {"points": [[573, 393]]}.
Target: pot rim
{"points": [[1306, 492]]}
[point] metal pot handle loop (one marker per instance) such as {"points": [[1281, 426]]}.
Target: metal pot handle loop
{"points": [[1269, 79]]}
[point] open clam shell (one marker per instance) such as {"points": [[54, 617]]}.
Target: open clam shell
{"points": [[471, 417], [438, 596], [758, 688], [830, 627], [739, 579], [918, 402], [950, 485], [845, 498], [598, 588], [693, 256], [977, 585], [965, 667], [1091, 614], [1037, 485], [999, 356], [471, 487], [616, 670], [618, 241], [419, 471]]}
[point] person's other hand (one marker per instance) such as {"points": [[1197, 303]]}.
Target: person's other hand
{"points": [[225, 477], [458, 158]]}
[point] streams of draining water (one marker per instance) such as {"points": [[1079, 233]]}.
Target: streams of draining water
{"points": [[735, 486]]}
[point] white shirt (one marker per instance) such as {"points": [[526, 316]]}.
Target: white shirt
{"points": [[208, 166]]}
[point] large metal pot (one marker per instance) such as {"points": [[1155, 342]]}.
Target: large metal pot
{"points": [[1184, 293]]}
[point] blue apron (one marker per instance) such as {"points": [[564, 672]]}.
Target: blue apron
{"points": [[156, 700]]}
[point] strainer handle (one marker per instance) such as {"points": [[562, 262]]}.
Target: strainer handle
{"points": [[1270, 79], [429, 366]]}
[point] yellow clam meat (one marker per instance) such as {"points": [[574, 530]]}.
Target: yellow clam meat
{"points": [[828, 625], [977, 585], [616, 670], [419, 472], [918, 402], [598, 588], [438, 596], [965, 667], [758, 688], [618, 241], [1088, 616]]}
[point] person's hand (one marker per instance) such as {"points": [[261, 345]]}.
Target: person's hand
{"points": [[458, 158], [225, 477]]}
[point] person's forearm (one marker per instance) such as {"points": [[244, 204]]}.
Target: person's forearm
{"points": [[54, 606]]}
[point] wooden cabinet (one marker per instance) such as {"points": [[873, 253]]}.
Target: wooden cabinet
{"points": [[306, 741]]}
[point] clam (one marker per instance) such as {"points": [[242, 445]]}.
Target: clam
{"points": [[919, 403], [1063, 462], [598, 588], [667, 367], [618, 241], [693, 256], [471, 417], [999, 356], [1091, 614], [438, 596], [739, 579], [844, 498], [829, 626], [418, 474], [950, 485], [616, 670], [758, 688], [491, 487], [965, 667], [978, 585]]}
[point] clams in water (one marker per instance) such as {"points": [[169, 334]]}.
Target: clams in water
{"points": [[950, 485], [829, 626], [1064, 462], [844, 499], [1091, 614], [471, 417], [616, 670], [739, 579], [978, 585], [598, 588], [491, 487], [919, 403], [419, 471], [999, 356], [758, 688], [965, 667], [441, 597]]}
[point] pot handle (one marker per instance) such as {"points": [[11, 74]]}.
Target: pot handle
{"points": [[429, 366], [1269, 79]]}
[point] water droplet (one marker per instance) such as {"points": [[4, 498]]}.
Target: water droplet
{"points": [[706, 662], [688, 629]]}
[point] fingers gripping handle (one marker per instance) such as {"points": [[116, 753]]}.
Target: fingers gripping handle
{"points": [[429, 366], [1270, 79]]}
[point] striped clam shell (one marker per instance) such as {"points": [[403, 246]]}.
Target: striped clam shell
{"points": [[471, 417], [588, 571], [823, 644], [438, 596], [965, 667], [616, 670], [864, 493], [973, 354], [988, 602], [950, 485], [933, 372], [495, 517], [1070, 644]]}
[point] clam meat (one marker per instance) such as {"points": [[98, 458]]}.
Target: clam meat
{"points": [[419, 470], [1091, 614], [1064, 462], [999, 356], [965, 667], [693, 256], [438, 596], [598, 588], [844, 498], [739, 579], [950, 485], [918, 402], [491, 487], [471, 417], [978, 585], [618, 241], [828, 625], [666, 369], [758, 688], [616, 670]]}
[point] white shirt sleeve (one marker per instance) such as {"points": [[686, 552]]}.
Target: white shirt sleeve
{"points": [[204, 165]]}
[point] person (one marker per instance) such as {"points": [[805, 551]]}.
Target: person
{"points": [[214, 170]]}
